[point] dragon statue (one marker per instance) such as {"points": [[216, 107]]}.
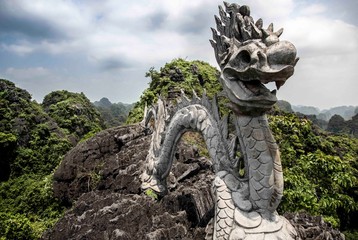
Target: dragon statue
{"points": [[249, 57]]}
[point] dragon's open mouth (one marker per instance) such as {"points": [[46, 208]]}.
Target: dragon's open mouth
{"points": [[257, 88], [249, 84]]}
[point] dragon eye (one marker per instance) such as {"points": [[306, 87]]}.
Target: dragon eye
{"points": [[243, 59]]}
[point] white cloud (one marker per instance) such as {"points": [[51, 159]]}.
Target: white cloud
{"points": [[19, 49], [326, 74], [314, 9], [27, 73], [129, 37]]}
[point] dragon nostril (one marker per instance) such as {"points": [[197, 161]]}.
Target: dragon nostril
{"points": [[244, 56]]}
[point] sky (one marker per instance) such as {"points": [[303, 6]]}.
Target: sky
{"points": [[104, 48]]}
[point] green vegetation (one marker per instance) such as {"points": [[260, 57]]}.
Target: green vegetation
{"points": [[113, 114], [74, 113], [176, 75], [33, 142], [152, 194], [320, 170], [27, 207]]}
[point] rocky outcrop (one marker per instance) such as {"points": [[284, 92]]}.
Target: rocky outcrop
{"points": [[313, 227], [111, 160], [100, 178]]}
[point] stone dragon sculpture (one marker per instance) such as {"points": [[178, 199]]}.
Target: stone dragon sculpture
{"points": [[249, 57]]}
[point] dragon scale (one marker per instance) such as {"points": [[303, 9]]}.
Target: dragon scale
{"points": [[263, 161]]}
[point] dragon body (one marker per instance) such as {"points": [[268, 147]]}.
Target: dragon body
{"points": [[249, 57]]}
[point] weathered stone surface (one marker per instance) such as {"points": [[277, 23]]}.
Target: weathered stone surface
{"points": [[101, 179], [313, 227], [106, 161]]}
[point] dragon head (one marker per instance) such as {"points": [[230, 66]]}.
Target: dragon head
{"points": [[250, 57]]}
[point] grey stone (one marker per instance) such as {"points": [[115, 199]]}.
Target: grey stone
{"points": [[247, 219]]}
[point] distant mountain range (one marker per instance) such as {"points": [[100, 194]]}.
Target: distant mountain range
{"points": [[339, 120], [347, 112]]}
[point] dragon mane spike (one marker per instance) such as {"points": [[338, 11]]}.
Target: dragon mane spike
{"points": [[279, 32], [195, 96], [223, 15], [184, 98], [215, 108], [215, 34], [226, 4], [259, 23], [145, 112], [231, 7], [205, 101], [255, 31], [219, 25], [224, 126], [245, 33], [265, 33], [213, 44]]}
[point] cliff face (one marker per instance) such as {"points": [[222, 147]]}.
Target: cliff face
{"points": [[101, 179]]}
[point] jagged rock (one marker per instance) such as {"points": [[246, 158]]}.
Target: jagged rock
{"points": [[313, 227], [103, 162], [101, 179]]}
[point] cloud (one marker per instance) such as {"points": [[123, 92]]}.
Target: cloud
{"points": [[27, 73], [110, 44], [114, 63], [20, 49], [15, 19]]}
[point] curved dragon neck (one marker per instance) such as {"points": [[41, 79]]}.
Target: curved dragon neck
{"points": [[262, 161], [194, 117]]}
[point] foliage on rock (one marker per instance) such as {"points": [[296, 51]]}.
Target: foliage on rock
{"points": [[74, 113], [30, 141], [31, 146], [113, 114], [178, 74]]}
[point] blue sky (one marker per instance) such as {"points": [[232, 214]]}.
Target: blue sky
{"points": [[103, 48]]}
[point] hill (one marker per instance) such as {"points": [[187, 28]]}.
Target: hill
{"points": [[347, 112], [173, 76], [74, 113], [113, 114], [338, 120], [99, 177], [33, 140]]}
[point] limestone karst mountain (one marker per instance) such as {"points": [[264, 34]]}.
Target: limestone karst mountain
{"points": [[98, 180], [113, 114]]}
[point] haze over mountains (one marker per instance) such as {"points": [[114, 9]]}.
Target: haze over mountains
{"points": [[347, 112]]}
